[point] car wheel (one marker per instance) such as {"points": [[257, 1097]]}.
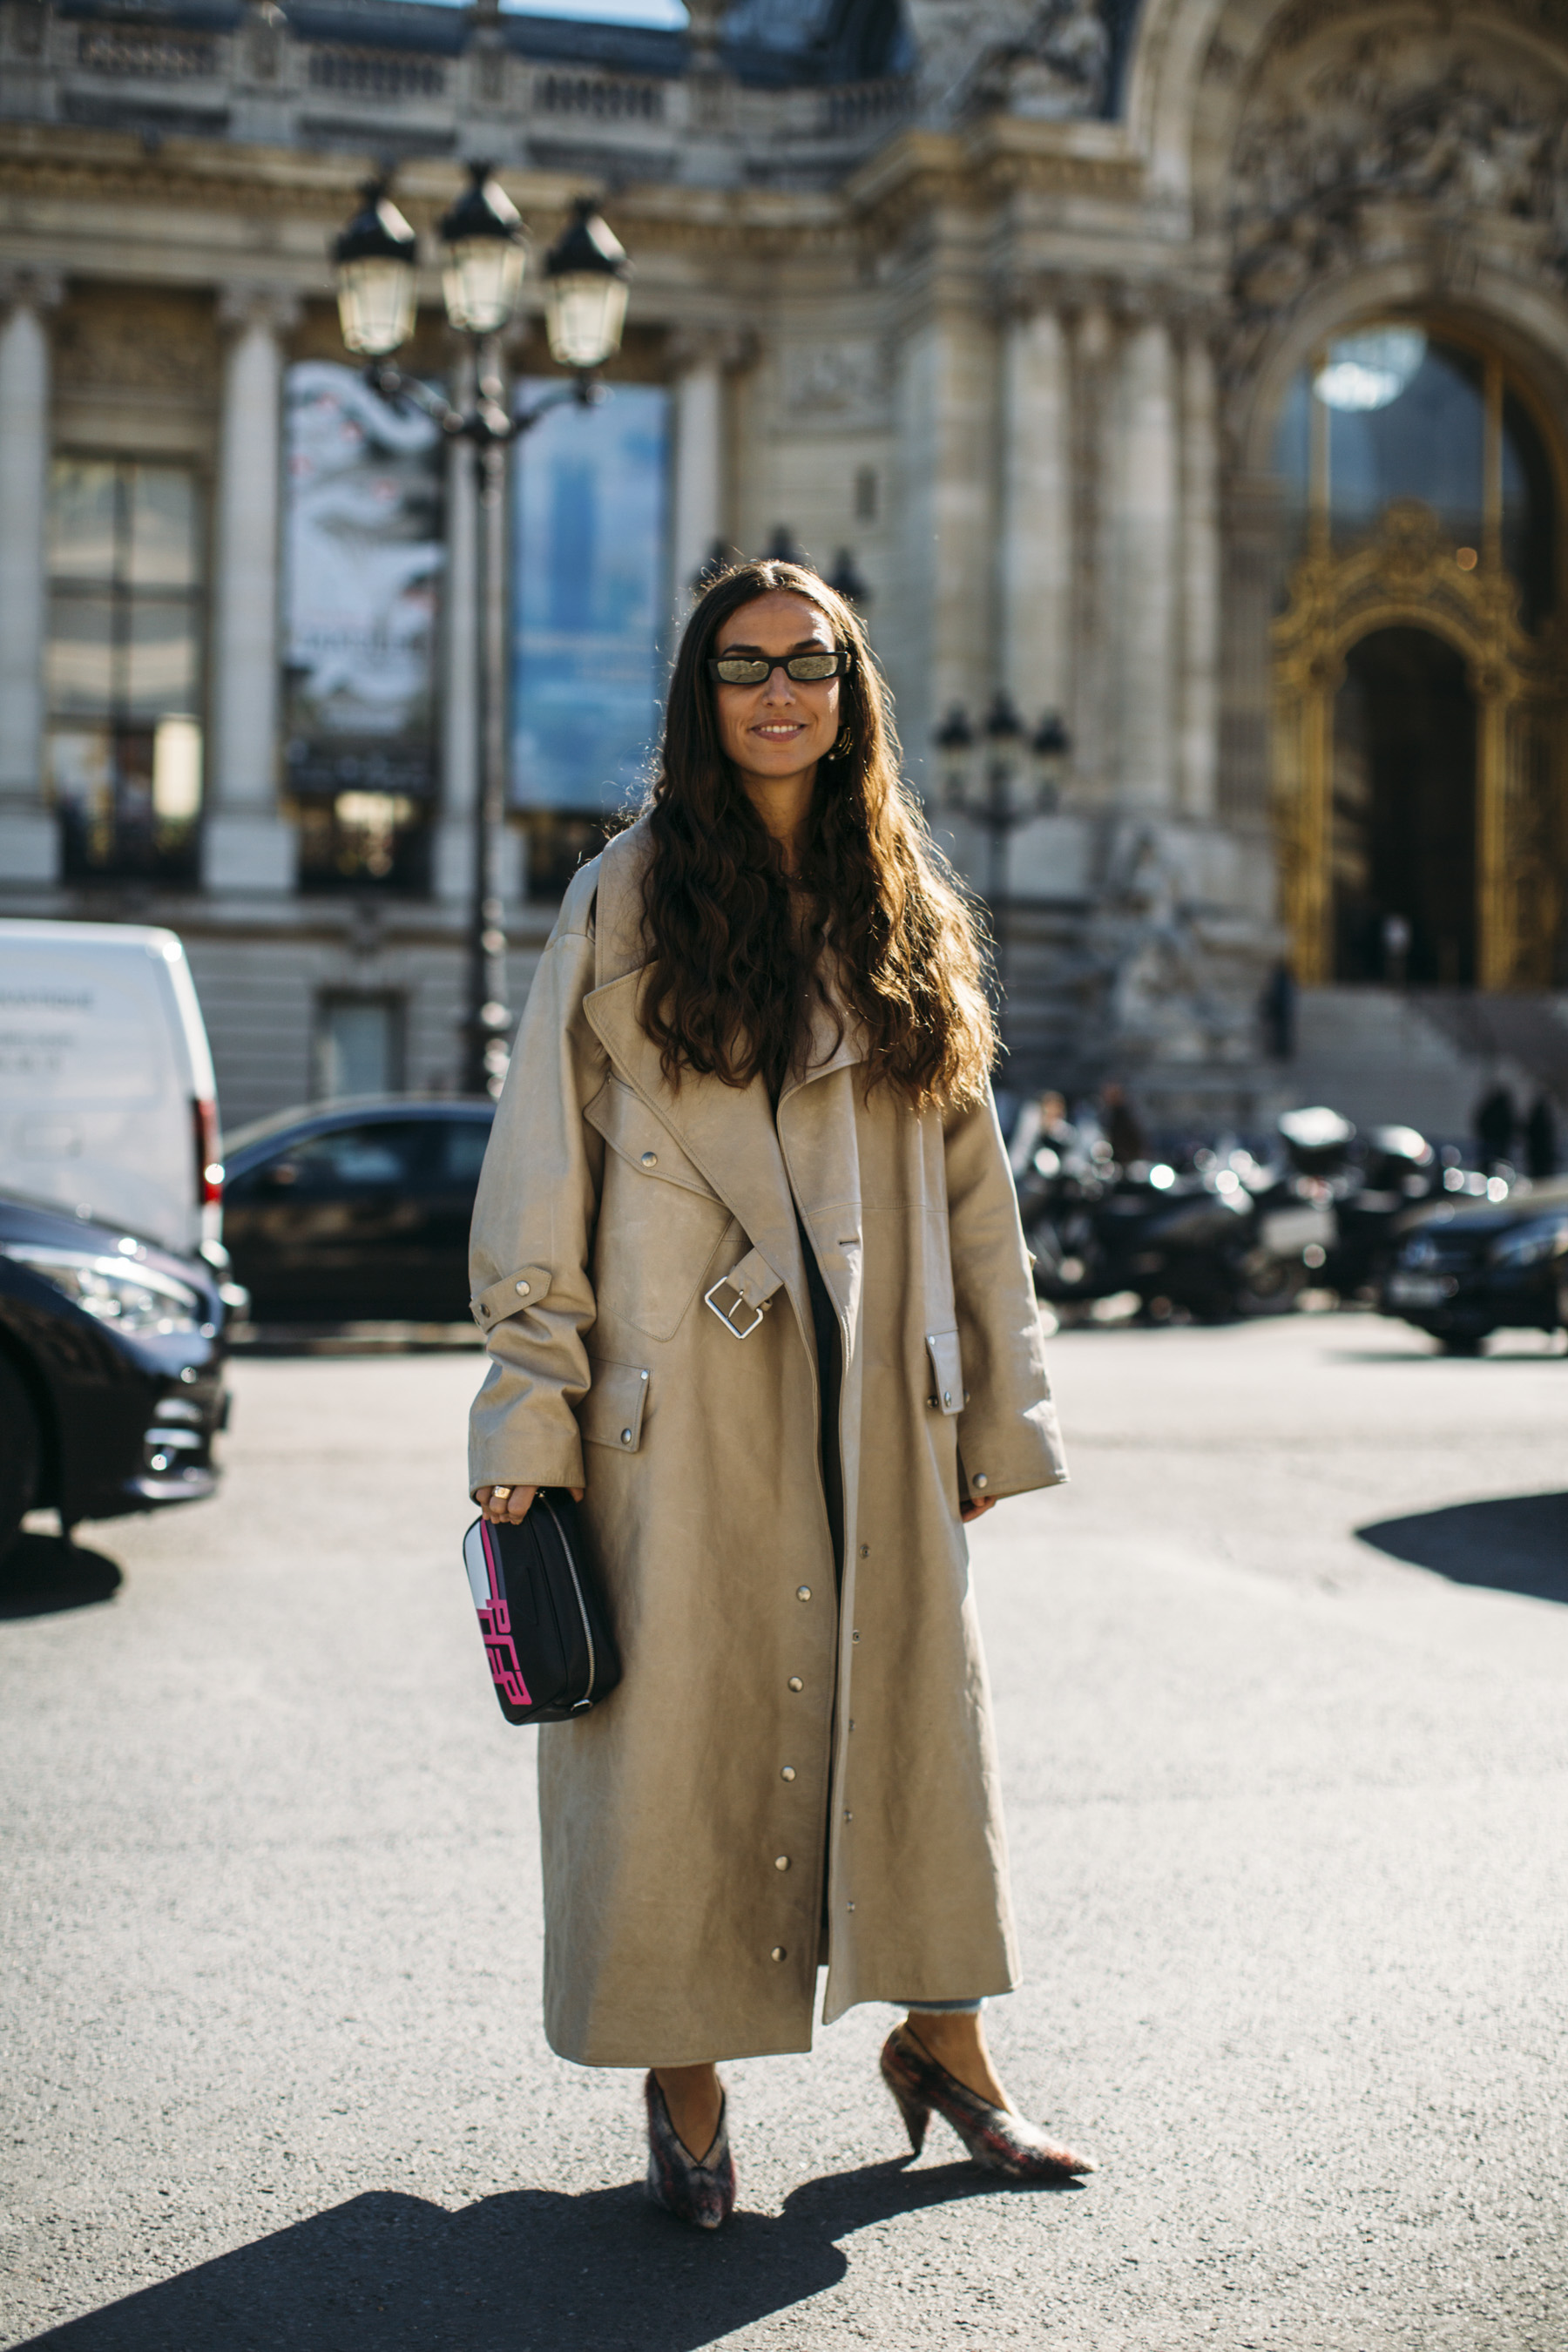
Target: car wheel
{"points": [[1461, 1343], [21, 1458]]}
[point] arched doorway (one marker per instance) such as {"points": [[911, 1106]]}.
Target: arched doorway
{"points": [[1421, 667], [1404, 831]]}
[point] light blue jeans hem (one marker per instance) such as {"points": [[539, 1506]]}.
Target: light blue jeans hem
{"points": [[942, 2008]]}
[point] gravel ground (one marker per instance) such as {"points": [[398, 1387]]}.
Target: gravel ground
{"points": [[1280, 1683]]}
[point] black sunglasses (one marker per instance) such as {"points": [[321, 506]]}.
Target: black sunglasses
{"points": [[755, 669]]}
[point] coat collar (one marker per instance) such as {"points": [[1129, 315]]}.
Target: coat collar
{"points": [[729, 1132]]}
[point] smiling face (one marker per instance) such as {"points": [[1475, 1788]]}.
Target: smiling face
{"points": [[783, 727]]}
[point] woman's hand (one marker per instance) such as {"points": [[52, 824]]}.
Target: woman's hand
{"points": [[966, 1511], [499, 1503]]}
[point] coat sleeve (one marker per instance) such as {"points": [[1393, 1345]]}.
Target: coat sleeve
{"points": [[1009, 1438], [532, 1240]]}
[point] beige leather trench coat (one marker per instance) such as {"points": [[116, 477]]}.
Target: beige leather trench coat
{"points": [[780, 1774]]}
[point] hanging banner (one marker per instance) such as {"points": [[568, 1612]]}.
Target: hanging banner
{"points": [[590, 599], [363, 565]]}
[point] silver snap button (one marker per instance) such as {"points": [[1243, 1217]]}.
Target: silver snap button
{"points": [[777, 1953], [980, 1482], [787, 1773], [781, 1862], [651, 1159], [847, 1814], [947, 1396], [865, 1552], [803, 1593], [626, 1437], [522, 1290], [854, 1637], [849, 1907], [796, 1682]]}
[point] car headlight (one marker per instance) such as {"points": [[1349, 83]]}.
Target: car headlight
{"points": [[132, 1297], [1527, 1245]]}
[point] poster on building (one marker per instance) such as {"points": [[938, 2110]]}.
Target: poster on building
{"points": [[362, 587], [590, 600]]}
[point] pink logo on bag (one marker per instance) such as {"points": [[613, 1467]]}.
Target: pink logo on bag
{"points": [[495, 1624]]}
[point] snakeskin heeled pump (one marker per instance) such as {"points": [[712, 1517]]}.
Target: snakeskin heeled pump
{"points": [[701, 2193], [995, 2137]]}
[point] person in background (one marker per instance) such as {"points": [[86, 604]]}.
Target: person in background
{"points": [[1496, 1122], [1123, 1128], [1042, 1120], [1276, 1012], [1540, 1137]]}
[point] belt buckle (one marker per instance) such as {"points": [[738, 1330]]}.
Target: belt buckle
{"points": [[725, 1314]]}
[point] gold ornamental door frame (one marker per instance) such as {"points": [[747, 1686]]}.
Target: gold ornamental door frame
{"points": [[1410, 574]]}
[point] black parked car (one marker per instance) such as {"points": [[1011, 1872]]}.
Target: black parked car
{"points": [[111, 1355], [357, 1211], [1467, 1268]]}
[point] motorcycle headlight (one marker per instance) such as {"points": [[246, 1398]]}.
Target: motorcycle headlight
{"points": [[136, 1298], [1527, 1245]]}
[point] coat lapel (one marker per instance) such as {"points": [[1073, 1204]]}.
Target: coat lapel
{"points": [[728, 1131], [817, 1134]]}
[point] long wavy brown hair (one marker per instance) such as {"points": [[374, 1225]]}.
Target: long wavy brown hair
{"points": [[737, 943]]}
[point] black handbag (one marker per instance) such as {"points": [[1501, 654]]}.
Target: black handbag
{"points": [[546, 1634]]}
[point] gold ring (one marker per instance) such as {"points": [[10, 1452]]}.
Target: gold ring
{"points": [[500, 1494]]}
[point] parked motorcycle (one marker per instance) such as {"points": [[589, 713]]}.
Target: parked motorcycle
{"points": [[1179, 1239], [1225, 1230]]}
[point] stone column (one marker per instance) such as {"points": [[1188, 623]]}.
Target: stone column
{"points": [[1199, 577], [246, 845], [30, 835], [1251, 572], [937, 636], [1094, 457], [697, 484], [1146, 602], [1035, 539], [453, 863]]}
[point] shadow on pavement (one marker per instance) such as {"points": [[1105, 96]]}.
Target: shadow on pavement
{"points": [[41, 1574], [1517, 1543], [533, 2271]]}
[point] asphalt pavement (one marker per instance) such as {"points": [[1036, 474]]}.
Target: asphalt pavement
{"points": [[1282, 1690]]}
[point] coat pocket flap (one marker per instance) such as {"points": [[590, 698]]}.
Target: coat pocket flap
{"points": [[611, 1413], [947, 1370], [526, 1287], [641, 1141]]}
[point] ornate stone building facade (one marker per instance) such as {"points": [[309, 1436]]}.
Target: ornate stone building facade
{"points": [[1197, 370]]}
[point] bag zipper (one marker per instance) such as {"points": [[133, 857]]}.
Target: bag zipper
{"points": [[587, 1697]]}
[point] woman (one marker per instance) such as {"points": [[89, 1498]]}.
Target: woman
{"points": [[780, 1332]]}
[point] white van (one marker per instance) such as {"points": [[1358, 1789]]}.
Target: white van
{"points": [[107, 1107]]}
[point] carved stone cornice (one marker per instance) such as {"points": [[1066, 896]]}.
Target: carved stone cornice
{"points": [[27, 288], [1426, 143], [729, 348], [241, 307]]}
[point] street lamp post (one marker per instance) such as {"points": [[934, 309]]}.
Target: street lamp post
{"points": [[484, 256], [1013, 782]]}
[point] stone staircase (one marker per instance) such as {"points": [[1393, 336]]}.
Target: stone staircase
{"points": [[1423, 1058]]}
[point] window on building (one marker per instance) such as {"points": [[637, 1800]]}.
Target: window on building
{"points": [[1393, 413], [359, 1046], [590, 605], [375, 840], [124, 666], [361, 579]]}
